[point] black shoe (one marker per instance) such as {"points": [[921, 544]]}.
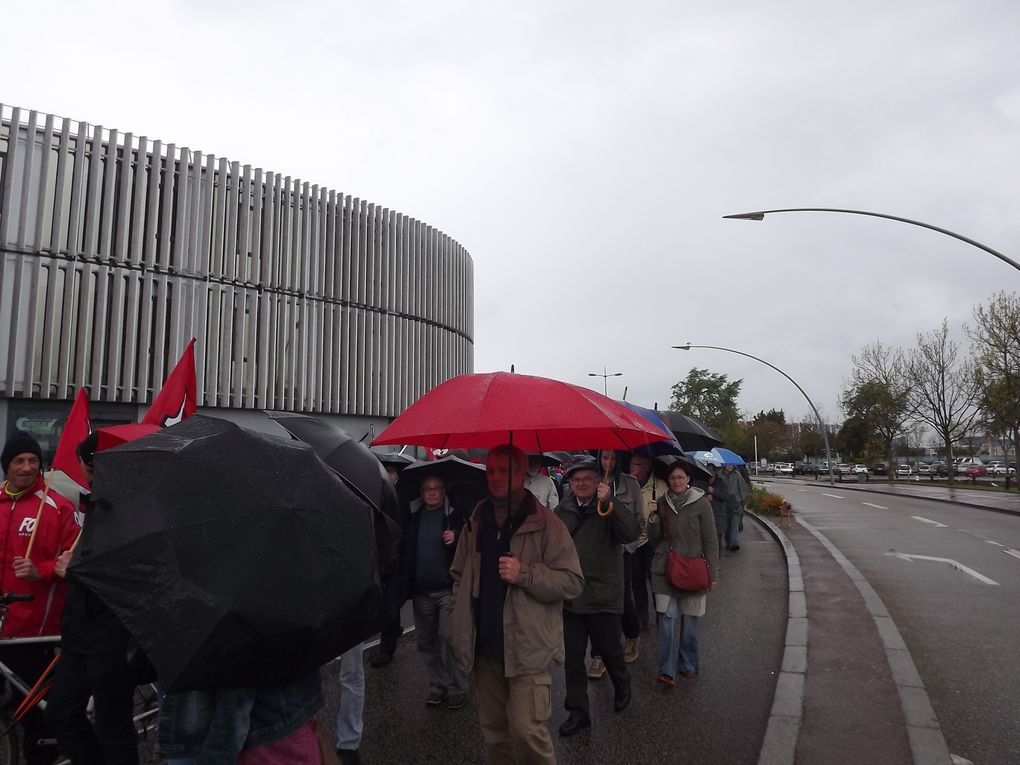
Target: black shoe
{"points": [[348, 756], [622, 700], [576, 722], [381, 658]]}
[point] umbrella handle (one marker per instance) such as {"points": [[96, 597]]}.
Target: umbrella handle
{"points": [[609, 507]]}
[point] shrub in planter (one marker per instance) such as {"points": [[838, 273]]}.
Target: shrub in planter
{"points": [[764, 502]]}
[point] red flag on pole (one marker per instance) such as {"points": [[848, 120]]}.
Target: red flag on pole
{"points": [[75, 430], [177, 398]]}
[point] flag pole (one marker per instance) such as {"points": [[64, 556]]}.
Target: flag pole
{"points": [[38, 517]]}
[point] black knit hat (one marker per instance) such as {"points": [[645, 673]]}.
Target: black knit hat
{"points": [[20, 442]]}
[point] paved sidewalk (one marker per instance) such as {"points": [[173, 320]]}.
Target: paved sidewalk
{"points": [[849, 691]]}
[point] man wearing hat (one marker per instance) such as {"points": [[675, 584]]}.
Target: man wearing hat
{"points": [[600, 525], [24, 505]]}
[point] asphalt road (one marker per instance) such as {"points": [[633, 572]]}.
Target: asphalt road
{"points": [[718, 718], [960, 619]]}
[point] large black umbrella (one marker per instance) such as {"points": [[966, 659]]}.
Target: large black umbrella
{"points": [[234, 558], [692, 435], [359, 467]]}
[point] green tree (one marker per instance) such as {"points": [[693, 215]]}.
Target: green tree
{"points": [[808, 442], [708, 397], [877, 400], [772, 415], [996, 354]]}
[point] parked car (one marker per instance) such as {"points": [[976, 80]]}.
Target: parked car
{"points": [[975, 471], [880, 468], [843, 469], [1001, 468], [862, 469], [783, 468], [904, 469], [940, 468], [806, 468], [923, 468]]}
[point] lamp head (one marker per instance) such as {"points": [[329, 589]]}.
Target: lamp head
{"points": [[747, 216], [686, 347]]}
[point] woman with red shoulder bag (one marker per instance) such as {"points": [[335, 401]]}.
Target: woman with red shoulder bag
{"points": [[685, 566]]}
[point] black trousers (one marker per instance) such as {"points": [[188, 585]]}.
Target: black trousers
{"points": [[28, 662], [639, 564], [604, 632], [393, 601], [111, 682]]}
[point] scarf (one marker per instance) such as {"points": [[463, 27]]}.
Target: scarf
{"points": [[678, 500], [499, 505]]}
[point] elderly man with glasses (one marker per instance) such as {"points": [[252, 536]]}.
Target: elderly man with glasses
{"points": [[430, 541], [601, 524]]}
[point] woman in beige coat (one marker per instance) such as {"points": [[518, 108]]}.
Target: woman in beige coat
{"points": [[688, 514]]}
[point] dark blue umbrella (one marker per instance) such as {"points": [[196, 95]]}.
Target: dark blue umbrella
{"points": [[657, 448]]}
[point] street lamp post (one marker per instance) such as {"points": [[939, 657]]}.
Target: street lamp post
{"points": [[605, 379], [760, 215], [821, 425]]}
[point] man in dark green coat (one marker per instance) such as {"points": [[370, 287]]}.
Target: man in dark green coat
{"points": [[596, 613]]}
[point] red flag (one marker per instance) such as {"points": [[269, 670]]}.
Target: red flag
{"points": [[177, 398], [75, 430]]}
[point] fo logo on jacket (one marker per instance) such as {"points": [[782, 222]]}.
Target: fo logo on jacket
{"points": [[26, 527]]}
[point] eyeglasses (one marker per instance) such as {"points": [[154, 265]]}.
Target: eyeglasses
{"points": [[431, 489], [583, 479]]}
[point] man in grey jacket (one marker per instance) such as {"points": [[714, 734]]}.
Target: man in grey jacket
{"points": [[601, 525]]}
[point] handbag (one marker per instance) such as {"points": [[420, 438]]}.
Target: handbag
{"points": [[683, 573]]}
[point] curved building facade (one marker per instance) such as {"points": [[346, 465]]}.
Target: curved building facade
{"points": [[116, 249]]}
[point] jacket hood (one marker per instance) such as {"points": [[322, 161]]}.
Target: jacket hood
{"points": [[693, 494]]}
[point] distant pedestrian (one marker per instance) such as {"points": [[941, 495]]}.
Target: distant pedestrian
{"points": [[515, 565], [737, 490], [652, 487], [625, 487], [595, 614], [541, 485], [430, 542], [682, 521]]}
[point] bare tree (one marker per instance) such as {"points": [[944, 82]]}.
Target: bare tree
{"points": [[942, 390], [878, 395]]}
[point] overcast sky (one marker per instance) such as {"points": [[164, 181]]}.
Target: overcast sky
{"points": [[585, 152]]}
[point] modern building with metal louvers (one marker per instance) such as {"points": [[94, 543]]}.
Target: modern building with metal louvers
{"points": [[116, 249]]}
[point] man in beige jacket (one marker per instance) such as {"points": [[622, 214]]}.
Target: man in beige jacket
{"points": [[515, 565]]}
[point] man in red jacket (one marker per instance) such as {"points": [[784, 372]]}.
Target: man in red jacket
{"points": [[24, 503]]}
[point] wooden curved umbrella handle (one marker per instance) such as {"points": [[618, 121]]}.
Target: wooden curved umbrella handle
{"points": [[609, 507]]}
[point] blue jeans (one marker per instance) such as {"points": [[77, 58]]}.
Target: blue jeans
{"points": [[350, 717], [677, 649], [733, 527]]}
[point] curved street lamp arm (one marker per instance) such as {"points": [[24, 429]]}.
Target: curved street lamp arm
{"points": [[760, 215], [818, 417]]}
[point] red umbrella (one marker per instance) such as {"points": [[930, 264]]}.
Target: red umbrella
{"points": [[533, 413]]}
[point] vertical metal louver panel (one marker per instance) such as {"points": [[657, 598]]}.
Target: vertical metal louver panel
{"points": [[117, 249]]}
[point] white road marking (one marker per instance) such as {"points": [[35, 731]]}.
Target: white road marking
{"points": [[928, 520], [955, 564], [834, 496], [880, 507], [1014, 553], [989, 541]]}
